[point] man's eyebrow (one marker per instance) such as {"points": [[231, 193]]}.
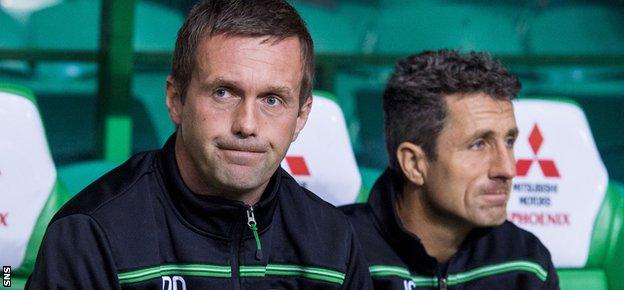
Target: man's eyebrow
{"points": [[280, 90], [221, 82], [232, 85], [236, 87], [482, 133], [486, 133]]}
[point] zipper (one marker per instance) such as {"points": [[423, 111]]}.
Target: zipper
{"points": [[442, 274], [253, 226], [235, 252], [443, 283]]}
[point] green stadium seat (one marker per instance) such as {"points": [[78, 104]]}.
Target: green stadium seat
{"points": [[12, 37], [337, 29], [68, 25], [156, 29], [50, 28], [30, 190], [78, 175], [562, 194], [577, 28], [411, 26]]}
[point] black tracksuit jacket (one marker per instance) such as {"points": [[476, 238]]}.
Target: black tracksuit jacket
{"points": [[502, 257], [140, 227]]}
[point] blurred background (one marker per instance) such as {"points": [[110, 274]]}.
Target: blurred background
{"points": [[98, 68]]}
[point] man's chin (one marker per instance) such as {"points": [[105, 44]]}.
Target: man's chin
{"points": [[492, 220], [243, 179]]}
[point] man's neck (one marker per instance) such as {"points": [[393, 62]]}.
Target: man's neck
{"points": [[196, 183], [440, 235]]}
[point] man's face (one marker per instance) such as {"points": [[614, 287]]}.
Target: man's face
{"points": [[241, 110], [470, 180]]}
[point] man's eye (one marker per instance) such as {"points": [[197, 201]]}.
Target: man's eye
{"points": [[477, 145], [510, 142], [221, 92], [273, 101]]}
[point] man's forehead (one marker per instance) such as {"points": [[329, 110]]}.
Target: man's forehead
{"points": [[479, 109], [240, 46], [475, 104], [231, 57]]}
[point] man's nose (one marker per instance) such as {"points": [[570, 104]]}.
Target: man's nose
{"points": [[244, 122], [503, 165]]}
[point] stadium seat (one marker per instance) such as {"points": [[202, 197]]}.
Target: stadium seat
{"points": [[12, 37], [29, 188], [50, 28], [156, 29], [78, 175], [69, 25], [577, 28], [562, 194], [337, 29], [436, 24], [321, 159]]}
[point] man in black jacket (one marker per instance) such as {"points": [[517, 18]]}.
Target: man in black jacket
{"points": [[213, 209], [436, 217]]}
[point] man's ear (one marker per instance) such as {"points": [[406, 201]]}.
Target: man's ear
{"points": [[413, 162], [174, 101], [302, 118]]}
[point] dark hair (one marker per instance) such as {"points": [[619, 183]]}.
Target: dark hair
{"points": [[413, 102], [251, 18]]}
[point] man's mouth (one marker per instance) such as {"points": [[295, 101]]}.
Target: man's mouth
{"points": [[253, 147], [496, 195], [242, 154]]}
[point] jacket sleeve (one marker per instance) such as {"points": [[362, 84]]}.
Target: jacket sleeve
{"points": [[357, 276], [552, 281], [74, 254]]}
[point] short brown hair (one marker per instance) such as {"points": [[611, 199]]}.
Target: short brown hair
{"points": [[253, 18], [413, 102]]}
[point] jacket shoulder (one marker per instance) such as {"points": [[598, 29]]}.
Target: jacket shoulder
{"points": [[355, 210], [308, 207], [112, 185], [519, 243], [509, 230]]}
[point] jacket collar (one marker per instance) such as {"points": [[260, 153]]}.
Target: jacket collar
{"points": [[214, 215], [382, 199]]}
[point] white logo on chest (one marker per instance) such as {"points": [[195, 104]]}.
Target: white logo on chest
{"points": [[409, 285], [172, 283]]}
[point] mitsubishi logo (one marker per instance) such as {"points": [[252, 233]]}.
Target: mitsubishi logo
{"points": [[297, 165], [548, 167]]}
